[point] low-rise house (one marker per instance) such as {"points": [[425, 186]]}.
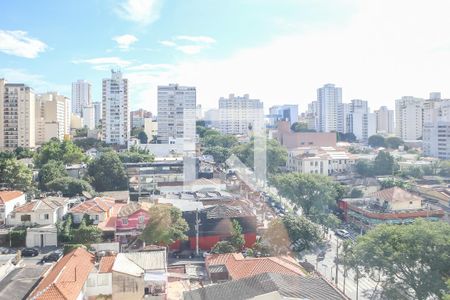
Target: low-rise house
{"points": [[42, 236], [233, 266], [272, 286], [77, 170], [45, 211], [67, 278], [98, 209], [131, 220], [8, 201], [99, 281], [140, 275], [392, 206]]}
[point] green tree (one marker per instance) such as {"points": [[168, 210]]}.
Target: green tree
{"points": [[223, 247], [14, 174], [346, 137], [219, 153], [301, 127], [237, 238], [276, 155], [392, 181], [86, 234], [222, 140], [394, 142], [52, 170], [107, 173], [416, 172], [81, 132], [356, 193], [304, 234], [384, 164], [143, 138], [135, 155], [21, 152], [166, 225], [444, 168], [376, 141], [69, 186], [312, 192], [66, 152], [364, 167], [88, 143], [413, 260]]}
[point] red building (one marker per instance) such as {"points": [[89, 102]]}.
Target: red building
{"points": [[131, 220], [216, 224]]}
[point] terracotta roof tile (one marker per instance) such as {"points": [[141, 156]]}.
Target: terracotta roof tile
{"points": [[66, 278], [96, 205], [6, 196], [395, 194], [106, 264], [240, 267], [41, 204]]}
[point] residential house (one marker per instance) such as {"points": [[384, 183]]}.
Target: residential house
{"points": [[131, 220], [67, 278], [8, 201], [45, 211], [272, 286], [233, 266], [140, 275], [216, 224], [391, 206], [98, 209], [99, 281]]}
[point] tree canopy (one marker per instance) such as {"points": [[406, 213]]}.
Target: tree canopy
{"points": [[69, 186], [107, 173], [66, 152], [301, 127], [384, 164], [52, 170], [312, 192], [135, 155], [393, 142], [15, 174], [346, 137], [413, 260], [166, 225], [143, 138], [376, 141]]}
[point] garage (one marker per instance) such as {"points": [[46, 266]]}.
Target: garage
{"points": [[43, 236]]}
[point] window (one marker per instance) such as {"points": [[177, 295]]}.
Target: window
{"points": [[141, 219], [125, 221], [25, 218], [46, 217]]}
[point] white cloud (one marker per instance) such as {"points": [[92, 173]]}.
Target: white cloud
{"points": [[189, 44], [104, 63], [35, 81], [18, 43], [125, 41], [380, 54], [142, 12]]}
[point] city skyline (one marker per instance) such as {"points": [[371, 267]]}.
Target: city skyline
{"points": [[290, 38]]}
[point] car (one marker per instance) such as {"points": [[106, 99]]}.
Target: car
{"points": [[321, 256], [342, 233], [4, 250], [183, 254], [52, 257], [30, 252]]}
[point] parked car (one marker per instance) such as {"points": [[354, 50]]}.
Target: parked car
{"points": [[321, 256], [183, 254], [4, 250], [342, 233], [52, 257], [30, 252]]}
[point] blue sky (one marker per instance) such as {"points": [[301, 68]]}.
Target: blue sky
{"points": [[276, 50]]}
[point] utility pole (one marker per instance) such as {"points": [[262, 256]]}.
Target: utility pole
{"points": [[337, 260], [357, 283], [197, 225]]}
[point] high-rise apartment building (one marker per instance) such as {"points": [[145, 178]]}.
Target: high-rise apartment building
{"points": [[176, 112], [436, 127], [328, 99], [137, 117], [52, 111], [89, 116], [385, 120], [360, 121], [17, 116], [287, 112], [238, 115], [115, 122], [342, 113], [81, 96], [409, 118], [97, 112]]}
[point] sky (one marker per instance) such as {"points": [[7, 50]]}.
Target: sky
{"points": [[279, 51]]}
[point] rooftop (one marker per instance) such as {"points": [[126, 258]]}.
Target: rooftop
{"points": [[65, 280], [137, 263], [240, 267], [106, 264], [395, 195], [288, 286], [49, 203], [96, 205], [226, 211], [6, 196]]}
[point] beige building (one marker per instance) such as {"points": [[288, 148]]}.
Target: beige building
{"points": [[319, 160], [76, 122], [52, 111], [150, 128], [17, 116], [289, 139]]}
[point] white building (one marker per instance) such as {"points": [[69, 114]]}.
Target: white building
{"points": [[45, 211], [238, 115], [17, 116], [52, 121], [344, 110], [286, 112], [319, 160], [409, 118], [360, 121], [81, 96], [8, 201], [176, 112], [89, 116], [328, 99], [97, 113], [212, 117], [385, 120], [436, 129], [115, 122]]}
